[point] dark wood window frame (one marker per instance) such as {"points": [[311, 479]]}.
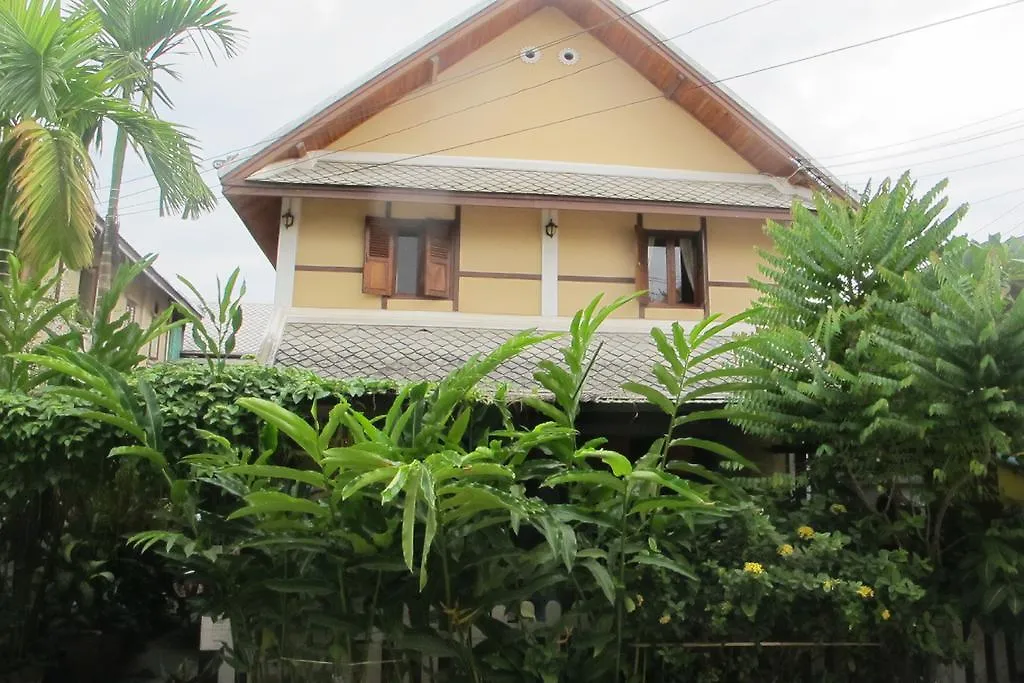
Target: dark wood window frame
{"points": [[436, 255], [672, 238]]}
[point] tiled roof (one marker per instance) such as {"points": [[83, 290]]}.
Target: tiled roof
{"points": [[409, 353], [255, 322], [615, 183]]}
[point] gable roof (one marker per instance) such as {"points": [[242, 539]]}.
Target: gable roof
{"points": [[619, 28]]}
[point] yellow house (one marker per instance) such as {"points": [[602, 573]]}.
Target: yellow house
{"points": [[500, 174], [145, 298]]}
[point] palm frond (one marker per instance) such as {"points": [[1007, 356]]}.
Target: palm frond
{"points": [[53, 203]]}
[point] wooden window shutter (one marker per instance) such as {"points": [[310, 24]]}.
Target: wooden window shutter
{"points": [[378, 261], [437, 263], [642, 280]]}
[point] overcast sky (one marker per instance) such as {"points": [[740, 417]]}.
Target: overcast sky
{"points": [[958, 75]]}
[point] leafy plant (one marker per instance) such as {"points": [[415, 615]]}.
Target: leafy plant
{"points": [[214, 334], [30, 316]]}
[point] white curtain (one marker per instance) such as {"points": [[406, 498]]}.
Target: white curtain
{"points": [[686, 252]]}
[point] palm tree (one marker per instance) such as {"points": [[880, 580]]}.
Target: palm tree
{"points": [[54, 95], [138, 38]]}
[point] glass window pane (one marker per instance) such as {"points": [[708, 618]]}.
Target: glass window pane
{"points": [[407, 265], [686, 270], [657, 269]]}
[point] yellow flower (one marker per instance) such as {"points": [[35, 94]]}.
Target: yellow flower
{"points": [[664, 619], [753, 568], [785, 550], [866, 592], [805, 532], [829, 584], [886, 615], [837, 508]]}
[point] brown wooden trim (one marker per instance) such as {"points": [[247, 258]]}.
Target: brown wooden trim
{"points": [[456, 274], [736, 285], [705, 266], [247, 189], [329, 269], [641, 263], [417, 297], [597, 278], [499, 276], [388, 223], [686, 307]]}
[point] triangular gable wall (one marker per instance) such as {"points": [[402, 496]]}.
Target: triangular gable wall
{"points": [[476, 108]]}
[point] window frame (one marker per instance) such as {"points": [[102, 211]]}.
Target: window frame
{"points": [[446, 230], [700, 287]]}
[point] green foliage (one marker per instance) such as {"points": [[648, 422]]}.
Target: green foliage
{"points": [[440, 504], [116, 340], [890, 354], [216, 340], [29, 316]]}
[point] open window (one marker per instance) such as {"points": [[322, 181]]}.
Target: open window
{"points": [[671, 268], [408, 258]]}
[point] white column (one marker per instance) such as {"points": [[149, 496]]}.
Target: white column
{"points": [[548, 265], [287, 245]]}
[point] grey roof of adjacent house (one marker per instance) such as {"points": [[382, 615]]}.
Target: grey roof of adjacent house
{"points": [[256, 320], [406, 353], [530, 178]]}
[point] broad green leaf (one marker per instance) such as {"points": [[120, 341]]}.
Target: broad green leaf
{"points": [[618, 463], [653, 396], [314, 479], [681, 486], [602, 577], [150, 454], [412, 496], [266, 502], [370, 478], [595, 478], [663, 562], [286, 421], [358, 458], [715, 447]]}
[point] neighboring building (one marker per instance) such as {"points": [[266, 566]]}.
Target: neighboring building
{"points": [[145, 298], [255, 322], [500, 174]]}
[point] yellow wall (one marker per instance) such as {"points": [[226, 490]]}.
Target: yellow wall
{"points": [[499, 296], [732, 248], [596, 244], [331, 233], [656, 133], [147, 298], [331, 290], [572, 296], [501, 240]]}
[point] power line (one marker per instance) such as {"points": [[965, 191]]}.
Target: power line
{"points": [[946, 143], [428, 90], [923, 137], [995, 220], [698, 86], [935, 160]]}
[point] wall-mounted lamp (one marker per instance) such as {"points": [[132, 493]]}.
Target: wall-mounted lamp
{"points": [[288, 219], [551, 228]]}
